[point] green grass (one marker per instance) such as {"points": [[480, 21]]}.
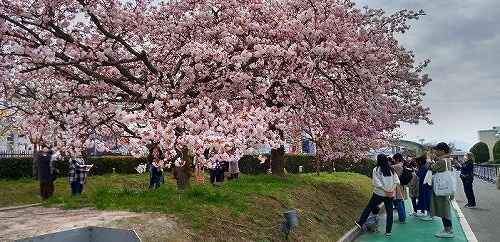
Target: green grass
{"points": [[326, 204]]}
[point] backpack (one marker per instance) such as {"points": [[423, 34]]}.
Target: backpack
{"points": [[405, 177]]}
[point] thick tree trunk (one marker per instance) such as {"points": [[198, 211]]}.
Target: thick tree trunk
{"points": [[330, 166], [182, 174], [278, 161]]}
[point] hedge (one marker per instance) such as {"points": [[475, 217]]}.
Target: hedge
{"points": [[21, 167], [251, 165]]}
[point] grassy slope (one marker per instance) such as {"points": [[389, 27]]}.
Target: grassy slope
{"points": [[247, 209]]}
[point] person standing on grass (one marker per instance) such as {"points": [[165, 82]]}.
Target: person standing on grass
{"points": [[156, 169], [385, 181], [233, 169], [467, 177], [44, 159], [78, 173], [440, 205]]}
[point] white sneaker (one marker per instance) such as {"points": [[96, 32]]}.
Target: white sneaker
{"points": [[427, 218], [420, 214], [444, 234], [412, 214]]}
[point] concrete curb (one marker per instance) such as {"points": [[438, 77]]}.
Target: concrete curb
{"points": [[355, 231], [351, 235], [19, 207], [463, 222]]}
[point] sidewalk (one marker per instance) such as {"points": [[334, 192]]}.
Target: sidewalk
{"points": [[480, 224], [415, 229]]}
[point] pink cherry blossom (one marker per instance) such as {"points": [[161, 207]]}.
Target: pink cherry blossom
{"points": [[225, 76]]}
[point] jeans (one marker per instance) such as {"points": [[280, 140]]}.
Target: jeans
{"points": [[400, 206], [469, 193], [76, 188], [375, 200], [446, 223]]}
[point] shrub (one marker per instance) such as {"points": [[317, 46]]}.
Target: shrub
{"points": [[348, 164], [21, 167], [13, 168], [496, 152], [481, 152], [249, 164]]}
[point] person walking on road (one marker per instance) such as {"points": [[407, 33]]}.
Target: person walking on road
{"points": [[385, 180], [467, 177], [440, 205]]}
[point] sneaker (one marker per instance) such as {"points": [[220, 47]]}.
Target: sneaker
{"points": [[412, 214], [427, 218], [388, 234], [466, 205], [399, 222], [357, 224], [420, 214], [375, 231], [444, 234], [470, 206]]}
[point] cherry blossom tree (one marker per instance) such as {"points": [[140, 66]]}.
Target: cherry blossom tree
{"points": [[215, 78]]}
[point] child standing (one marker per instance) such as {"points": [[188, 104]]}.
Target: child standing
{"points": [[372, 222], [156, 169]]}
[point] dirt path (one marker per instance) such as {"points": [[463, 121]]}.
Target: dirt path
{"points": [[37, 220]]}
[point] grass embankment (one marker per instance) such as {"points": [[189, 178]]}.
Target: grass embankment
{"points": [[247, 209]]}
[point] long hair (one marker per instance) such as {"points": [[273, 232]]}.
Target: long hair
{"points": [[383, 164], [421, 160], [470, 156]]}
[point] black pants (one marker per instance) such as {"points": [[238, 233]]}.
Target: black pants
{"points": [[469, 193], [375, 201], [216, 175], [414, 204]]}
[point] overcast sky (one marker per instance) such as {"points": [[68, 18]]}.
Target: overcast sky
{"points": [[462, 40]]}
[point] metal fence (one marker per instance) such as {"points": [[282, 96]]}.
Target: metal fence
{"points": [[5, 154], [487, 172]]}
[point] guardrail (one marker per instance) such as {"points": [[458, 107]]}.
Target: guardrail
{"points": [[487, 172], [5, 154]]}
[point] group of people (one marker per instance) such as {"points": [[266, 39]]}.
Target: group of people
{"points": [[223, 169], [219, 171], [47, 173], [426, 204]]}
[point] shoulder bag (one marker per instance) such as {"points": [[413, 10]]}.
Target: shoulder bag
{"points": [[444, 183]]}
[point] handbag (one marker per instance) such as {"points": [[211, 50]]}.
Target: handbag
{"points": [[444, 183], [428, 179], [55, 174]]}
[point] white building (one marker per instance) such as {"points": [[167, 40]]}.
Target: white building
{"points": [[490, 137], [14, 143]]}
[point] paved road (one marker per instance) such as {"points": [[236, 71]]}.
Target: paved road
{"points": [[481, 224], [485, 219]]}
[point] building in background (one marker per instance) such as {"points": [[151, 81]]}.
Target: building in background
{"points": [[490, 137]]}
